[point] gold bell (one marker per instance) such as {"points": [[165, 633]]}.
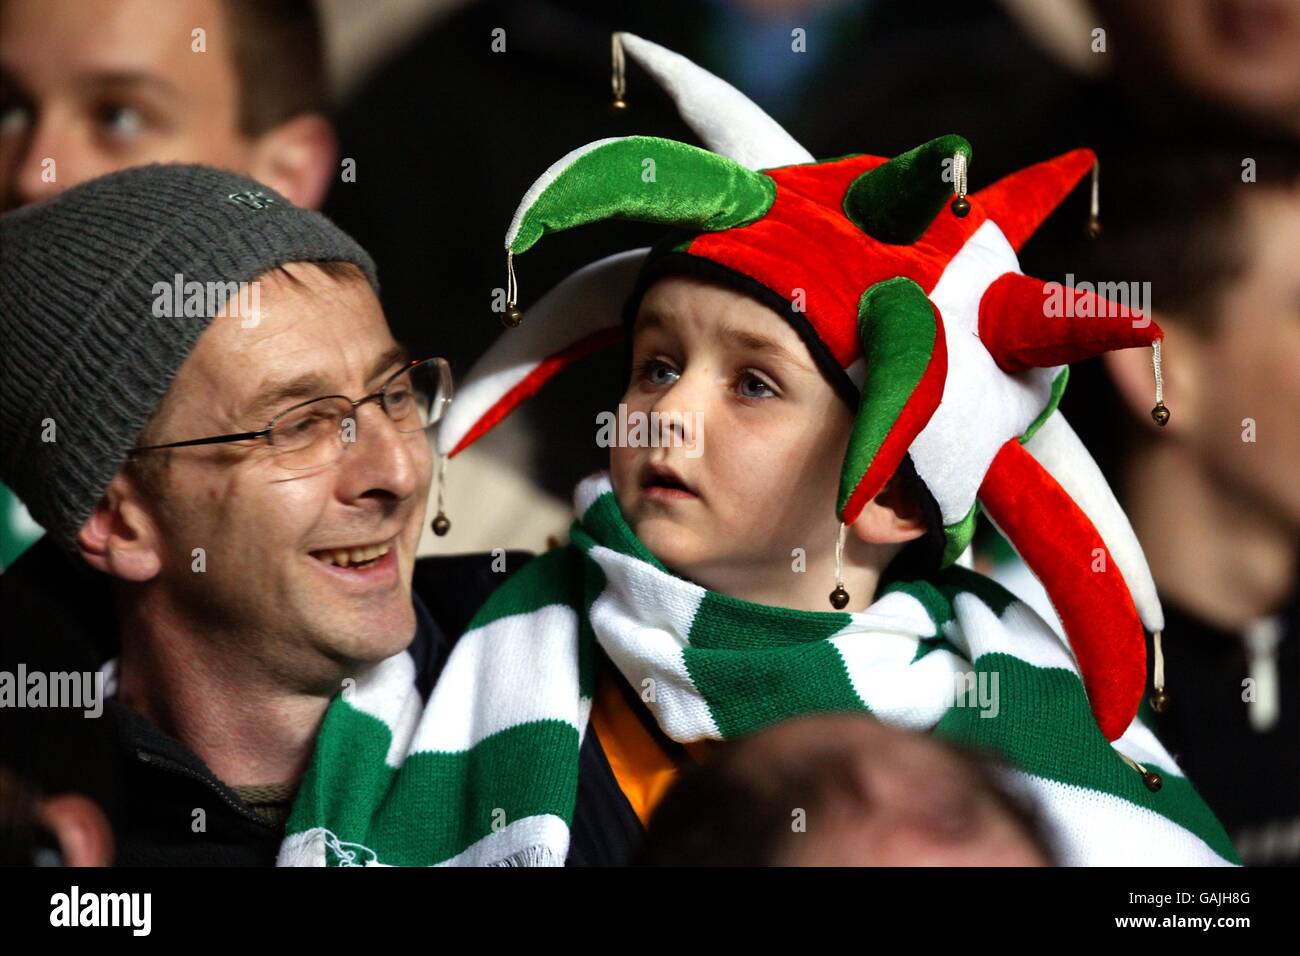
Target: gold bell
{"points": [[618, 77], [1160, 700], [441, 524], [1152, 780]]}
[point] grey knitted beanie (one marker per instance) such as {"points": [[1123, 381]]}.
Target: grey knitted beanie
{"points": [[84, 361]]}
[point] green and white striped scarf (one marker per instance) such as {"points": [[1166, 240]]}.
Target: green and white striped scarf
{"points": [[486, 772]]}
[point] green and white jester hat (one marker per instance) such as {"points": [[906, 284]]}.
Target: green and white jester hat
{"points": [[910, 298]]}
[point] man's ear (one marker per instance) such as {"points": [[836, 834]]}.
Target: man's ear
{"points": [[1182, 356], [119, 537], [83, 831], [297, 159], [894, 516]]}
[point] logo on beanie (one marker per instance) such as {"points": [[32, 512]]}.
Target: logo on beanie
{"points": [[253, 199]]}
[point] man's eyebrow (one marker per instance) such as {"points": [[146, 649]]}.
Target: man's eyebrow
{"points": [[126, 80], [311, 385], [397, 355], [275, 394]]}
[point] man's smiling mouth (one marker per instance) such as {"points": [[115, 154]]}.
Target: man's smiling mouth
{"points": [[359, 557]]}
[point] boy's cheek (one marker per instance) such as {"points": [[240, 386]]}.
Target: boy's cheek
{"points": [[623, 466]]}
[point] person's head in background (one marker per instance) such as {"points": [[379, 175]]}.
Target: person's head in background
{"points": [[843, 790], [1236, 55], [1212, 495], [96, 87], [60, 788]]}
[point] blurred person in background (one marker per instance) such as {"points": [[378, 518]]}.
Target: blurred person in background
{"points": [[844, 790], [90, 88], [1214, 501], [1237, 58], [60, 790]]}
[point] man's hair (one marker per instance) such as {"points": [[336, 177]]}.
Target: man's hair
{"points": [[149, 470], [723, 813], [1175, 217], [279, 61]]}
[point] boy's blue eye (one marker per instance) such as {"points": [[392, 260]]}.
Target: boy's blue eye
{"points": [[658, 373], [751, 386]]}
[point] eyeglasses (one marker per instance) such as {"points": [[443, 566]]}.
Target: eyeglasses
{"points": [[313, 433]]}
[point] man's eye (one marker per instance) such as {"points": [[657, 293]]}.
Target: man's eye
{"points": [[121, 122], [751, 386], [654, 372], [14, 117]]}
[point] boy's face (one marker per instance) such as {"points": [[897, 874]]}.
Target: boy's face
{"points": [[762, 437]]}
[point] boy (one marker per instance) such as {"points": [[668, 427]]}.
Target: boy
{"points": [[856, 340]]}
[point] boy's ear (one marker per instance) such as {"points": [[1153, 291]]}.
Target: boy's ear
{"points": [[894, 516], [120, 537]]}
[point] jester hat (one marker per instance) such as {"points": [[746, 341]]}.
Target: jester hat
{"points": [[909, 294]]}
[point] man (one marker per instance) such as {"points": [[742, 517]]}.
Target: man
{"points": [[1215, 501], [846, 789], [238, 84], [89, 89], [240, 488]]}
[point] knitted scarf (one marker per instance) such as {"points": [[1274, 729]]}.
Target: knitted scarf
{"points": [[485, 772]]}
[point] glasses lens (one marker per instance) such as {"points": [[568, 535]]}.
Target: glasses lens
{"points": [[415, 399], [312, 435]]}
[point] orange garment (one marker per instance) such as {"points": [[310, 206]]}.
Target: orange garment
{"points": [[642, 769]]}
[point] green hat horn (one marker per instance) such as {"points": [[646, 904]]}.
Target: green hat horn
{"points": [[897, 201]]}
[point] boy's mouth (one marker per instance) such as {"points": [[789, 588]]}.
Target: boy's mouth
{"points": [[662, 483]]}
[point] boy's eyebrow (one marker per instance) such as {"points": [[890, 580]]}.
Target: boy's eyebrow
{"points": [[754, 342]]}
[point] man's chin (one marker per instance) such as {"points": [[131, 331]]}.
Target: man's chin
{"points": [[366, 637]]}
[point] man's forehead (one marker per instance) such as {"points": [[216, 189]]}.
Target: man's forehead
{"points": [[312, 334], [109, 38]]}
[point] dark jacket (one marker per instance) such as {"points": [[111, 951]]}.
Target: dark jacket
{"points": [[57, 615]]}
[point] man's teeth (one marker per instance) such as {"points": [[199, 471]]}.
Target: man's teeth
{"points": [[346, 557]]}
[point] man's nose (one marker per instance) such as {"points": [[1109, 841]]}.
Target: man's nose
{"points": [[47, 164], [381, 461]]}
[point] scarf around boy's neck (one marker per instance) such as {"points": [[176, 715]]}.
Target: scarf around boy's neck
{"points": [[485, 771]]}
